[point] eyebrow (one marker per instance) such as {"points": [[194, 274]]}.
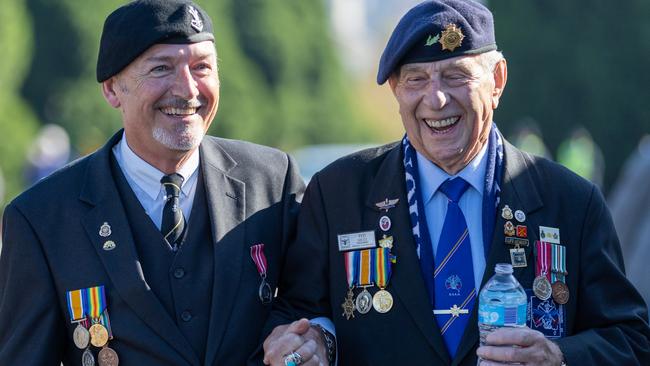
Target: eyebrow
{"points": [[153, 59]]}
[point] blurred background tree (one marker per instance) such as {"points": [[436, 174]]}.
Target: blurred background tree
{"points": [[571, 65]]}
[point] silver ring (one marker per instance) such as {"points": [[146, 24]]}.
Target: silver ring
{"points": [[294, 359]]}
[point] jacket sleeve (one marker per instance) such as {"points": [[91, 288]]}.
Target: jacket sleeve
{"points": [[31, 327], [611, 326]]}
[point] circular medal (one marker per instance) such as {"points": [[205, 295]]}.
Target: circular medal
{"points": [[363, 303], [560, 292], [81, 337], [87, 358], [542, 288], [382, 301], [108, 357], [520, 216], [98, 335], [385, 223]]}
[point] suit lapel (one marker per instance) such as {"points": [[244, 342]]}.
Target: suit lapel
{"points": [[406, 282], [226, 206], [122, 263], [518, 191]]}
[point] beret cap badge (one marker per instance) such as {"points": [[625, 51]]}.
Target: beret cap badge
{"points": [[196, 22], [451, 38]]}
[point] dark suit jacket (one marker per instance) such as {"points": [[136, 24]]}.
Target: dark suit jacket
{"points": [[52, 245], [606, 318]]}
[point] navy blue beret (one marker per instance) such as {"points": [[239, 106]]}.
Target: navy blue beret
{"points": [[133, 28], [437, 30]]}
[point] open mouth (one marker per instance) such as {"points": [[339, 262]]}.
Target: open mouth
{"points": [[442, 125], [179, 112]]}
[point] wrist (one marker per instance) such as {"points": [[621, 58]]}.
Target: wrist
{"points": [[329, 341]]}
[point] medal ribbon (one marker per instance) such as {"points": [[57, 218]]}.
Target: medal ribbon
{"points": [[257, 254], [76, 305], [382, 267], [543, 260], [106, 322], [558, 267], [351, 267], [365, 269], [96, 301]]}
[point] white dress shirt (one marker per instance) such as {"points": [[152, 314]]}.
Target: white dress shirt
{"points": [[144, 180], [470, 203]]}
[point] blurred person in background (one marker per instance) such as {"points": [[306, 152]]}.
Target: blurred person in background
{"points": [[49, 151], [163, 247], [630, 205], [394, 242]]}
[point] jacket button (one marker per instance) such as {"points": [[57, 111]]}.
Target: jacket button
{"points": [[186, 316], [179, 273]]}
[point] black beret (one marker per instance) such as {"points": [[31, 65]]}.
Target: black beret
{"points": [[133, 28], [437, 30]]}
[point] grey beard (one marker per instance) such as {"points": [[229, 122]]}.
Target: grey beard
{"points": [[183, 139]]}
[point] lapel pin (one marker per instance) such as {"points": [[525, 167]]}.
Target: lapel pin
{"points": [[109, 245], [386, 242], [520, 216], [105, 230], [506, 212], [387, 204], [385, 223], [509, 228]]}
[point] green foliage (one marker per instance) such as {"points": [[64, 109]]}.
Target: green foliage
{"points": [[572, 63], [17, 122]]}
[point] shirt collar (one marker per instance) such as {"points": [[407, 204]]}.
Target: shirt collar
{"points": [[147, 177], [431, 176]]}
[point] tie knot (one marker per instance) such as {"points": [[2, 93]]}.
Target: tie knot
{"points": [[172, 184], [454, 188]]}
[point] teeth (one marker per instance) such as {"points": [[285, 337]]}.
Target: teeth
{"points": [[178, 111], [441, 123]]}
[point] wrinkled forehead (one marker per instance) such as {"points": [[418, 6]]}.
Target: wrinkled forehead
{"points": [[463, 63]]}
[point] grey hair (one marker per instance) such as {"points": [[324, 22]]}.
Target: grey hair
{"points": [[489, 60]]}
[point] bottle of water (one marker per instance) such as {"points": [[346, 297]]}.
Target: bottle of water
{"points": [[501, 302]]}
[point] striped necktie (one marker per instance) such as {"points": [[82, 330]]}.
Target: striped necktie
{"points": [[173, 222], [453, 272]]}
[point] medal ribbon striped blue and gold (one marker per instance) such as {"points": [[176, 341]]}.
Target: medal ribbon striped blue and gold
{"points": [[77, 305], [382, 266]]}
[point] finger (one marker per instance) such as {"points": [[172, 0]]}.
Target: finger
{"points": [[506, 354], [282, 346], [299, 326], [508, 336], [307, 351]]}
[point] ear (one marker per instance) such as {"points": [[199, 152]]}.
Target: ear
{"points": [[392, 82], [500, 78], [109, 89]]}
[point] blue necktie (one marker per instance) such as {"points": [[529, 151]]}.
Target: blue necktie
{"points": [[454, 273]]}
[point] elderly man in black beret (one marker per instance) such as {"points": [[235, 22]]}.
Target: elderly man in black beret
{"points": [[394, 243], [165, 245]]}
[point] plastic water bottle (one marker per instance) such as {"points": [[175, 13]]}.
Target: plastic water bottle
{"points": [[501, 302]]}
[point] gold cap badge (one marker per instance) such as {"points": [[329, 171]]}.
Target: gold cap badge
{"points": [[451, 38]]}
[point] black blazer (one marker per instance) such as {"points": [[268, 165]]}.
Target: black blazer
{"points": [[52, 245], [606, 320]]}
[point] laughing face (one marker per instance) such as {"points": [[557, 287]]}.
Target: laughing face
{"points": [[446, 107], [168, 97]]}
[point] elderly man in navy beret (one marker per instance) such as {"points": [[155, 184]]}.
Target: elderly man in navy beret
{"points": [[164, 246], [394, 243]]}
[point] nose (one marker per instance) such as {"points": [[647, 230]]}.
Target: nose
{"points": [[436, 97], [185, 86]]}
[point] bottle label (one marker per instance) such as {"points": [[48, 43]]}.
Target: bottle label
{"points": [[502, 316]]}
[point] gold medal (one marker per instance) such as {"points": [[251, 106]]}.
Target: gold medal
{"points": [[108, 357], [81, 337], [382, 301], [348, 305], [98, 335], [560, 292], [364, 302], [542, 288]]}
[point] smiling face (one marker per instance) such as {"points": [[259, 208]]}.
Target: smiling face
{"points": [[168, 97], [446, 107]]}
